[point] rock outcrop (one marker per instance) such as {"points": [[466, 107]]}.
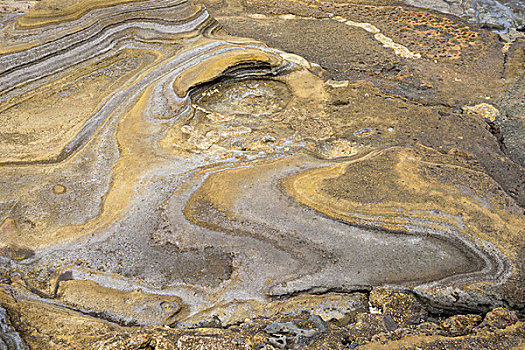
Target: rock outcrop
{"points": [[259, 174]]}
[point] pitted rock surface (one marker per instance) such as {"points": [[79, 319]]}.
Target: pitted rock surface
{"points": [[258, 174]]}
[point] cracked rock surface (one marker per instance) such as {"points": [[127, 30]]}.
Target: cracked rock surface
{"points": [[258, 174]]}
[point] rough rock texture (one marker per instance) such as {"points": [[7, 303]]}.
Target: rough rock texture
{"points": [[9, 338], [259, 174], [502, 15]]}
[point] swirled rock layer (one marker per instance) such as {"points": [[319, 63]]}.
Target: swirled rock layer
{"points": [[157, 170]]}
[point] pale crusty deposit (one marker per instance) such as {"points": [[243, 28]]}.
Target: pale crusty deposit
{"points": [[299, 173]]}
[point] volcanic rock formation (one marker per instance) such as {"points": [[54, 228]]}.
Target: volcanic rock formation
{"points": [[285, 174]]}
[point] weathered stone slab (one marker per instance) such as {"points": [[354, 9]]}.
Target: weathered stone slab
{"points": [[322, 174]]}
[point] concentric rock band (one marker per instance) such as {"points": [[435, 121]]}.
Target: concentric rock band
{"points": [[300, 161]]}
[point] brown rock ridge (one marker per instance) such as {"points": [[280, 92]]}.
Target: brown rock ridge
{"points": [[290, 174]]}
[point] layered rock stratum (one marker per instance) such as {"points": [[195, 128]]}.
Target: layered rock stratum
{"points": [[252, 174]]}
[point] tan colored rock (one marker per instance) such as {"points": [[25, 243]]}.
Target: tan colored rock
{"points": [[134, 307], [483, 110], [404, 309], [460, 324], [181, 175], [500, 318], [333, 307]]}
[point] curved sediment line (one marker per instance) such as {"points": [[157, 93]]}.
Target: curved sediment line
{"points": [[166, 75], [88, 48], [91, 26], [41, 41], [195, 195], [38, 17], [199, 211], [495, 268], [387, 42], [238, 213]]}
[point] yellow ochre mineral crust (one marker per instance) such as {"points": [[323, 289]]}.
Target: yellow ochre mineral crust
{"points": [[251, 174]]}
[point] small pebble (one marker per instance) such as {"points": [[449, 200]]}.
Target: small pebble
{"points": [[59, 189]]}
